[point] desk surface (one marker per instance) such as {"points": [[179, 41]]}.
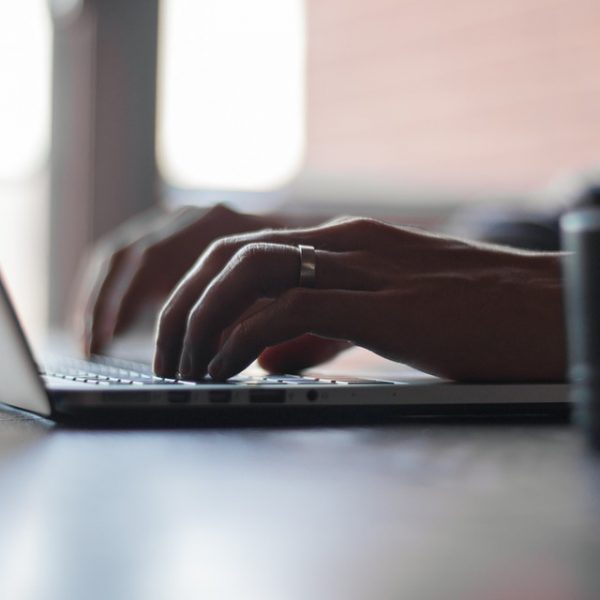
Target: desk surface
{"points": [[416, 511]]}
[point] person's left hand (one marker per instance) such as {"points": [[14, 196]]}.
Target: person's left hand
{"points": [[452, 308]]}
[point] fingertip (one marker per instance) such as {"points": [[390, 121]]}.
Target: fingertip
{"points": [[165, 363], [185, 364], [283, 359], [300, 353], [216, 368], [271, 361]]}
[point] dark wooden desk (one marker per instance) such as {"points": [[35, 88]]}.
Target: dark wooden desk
{"points": [[417, 512]]}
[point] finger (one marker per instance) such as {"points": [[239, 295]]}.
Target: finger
{"points": [[100, 279], [141, 293], [120, 273], [158, 257], [327, 313], [101, 271], [257, 306], [337, 236], [300, 353], [84, 298], [257, 271]]}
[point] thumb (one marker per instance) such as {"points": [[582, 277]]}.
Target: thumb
{"points": [[300, 353]]}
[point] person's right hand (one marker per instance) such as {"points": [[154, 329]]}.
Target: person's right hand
{"points": [[453, 308], [142, 261]]}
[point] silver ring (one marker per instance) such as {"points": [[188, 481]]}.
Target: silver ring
{"points": [[308, 266]]}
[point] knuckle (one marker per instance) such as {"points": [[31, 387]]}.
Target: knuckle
{"points": [[117, 246], [257, 268], [219, 210], [367, 224], [368, 231], [250, 254], [142, 251], [114, 257], [146, 256], [357, 225], [187, 211], [221, 248], [106, 247], [342, 220]]}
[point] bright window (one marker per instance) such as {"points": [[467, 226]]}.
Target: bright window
{"points": [[25, 56], [231, 93]]}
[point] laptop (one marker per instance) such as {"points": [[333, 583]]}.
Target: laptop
{"points": [[70, 388]]}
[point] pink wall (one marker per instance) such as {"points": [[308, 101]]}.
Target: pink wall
{"points": [[489, 93]]}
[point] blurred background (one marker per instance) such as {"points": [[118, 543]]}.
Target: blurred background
{"points": [[420, 110]]}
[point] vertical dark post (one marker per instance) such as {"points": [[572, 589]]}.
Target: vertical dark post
{"points": [[103, 129], [580, 232]]}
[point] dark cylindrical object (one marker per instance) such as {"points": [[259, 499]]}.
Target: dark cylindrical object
{"points": [[580, 231]]}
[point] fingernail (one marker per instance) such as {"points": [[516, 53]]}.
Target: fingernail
{"points": [[185, 365]]}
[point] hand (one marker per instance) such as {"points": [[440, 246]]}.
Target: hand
{"points": [[449, 307], [142, 261]]}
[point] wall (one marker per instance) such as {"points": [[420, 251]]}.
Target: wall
{"points": [[473, 93]]}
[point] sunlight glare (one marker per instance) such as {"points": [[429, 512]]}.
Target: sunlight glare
{"points": [[231, 93]]}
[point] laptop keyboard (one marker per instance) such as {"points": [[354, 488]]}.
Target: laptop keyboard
{"points": [[102, 370]]}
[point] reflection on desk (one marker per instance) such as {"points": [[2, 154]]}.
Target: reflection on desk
{"points": [[418, 511]]}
